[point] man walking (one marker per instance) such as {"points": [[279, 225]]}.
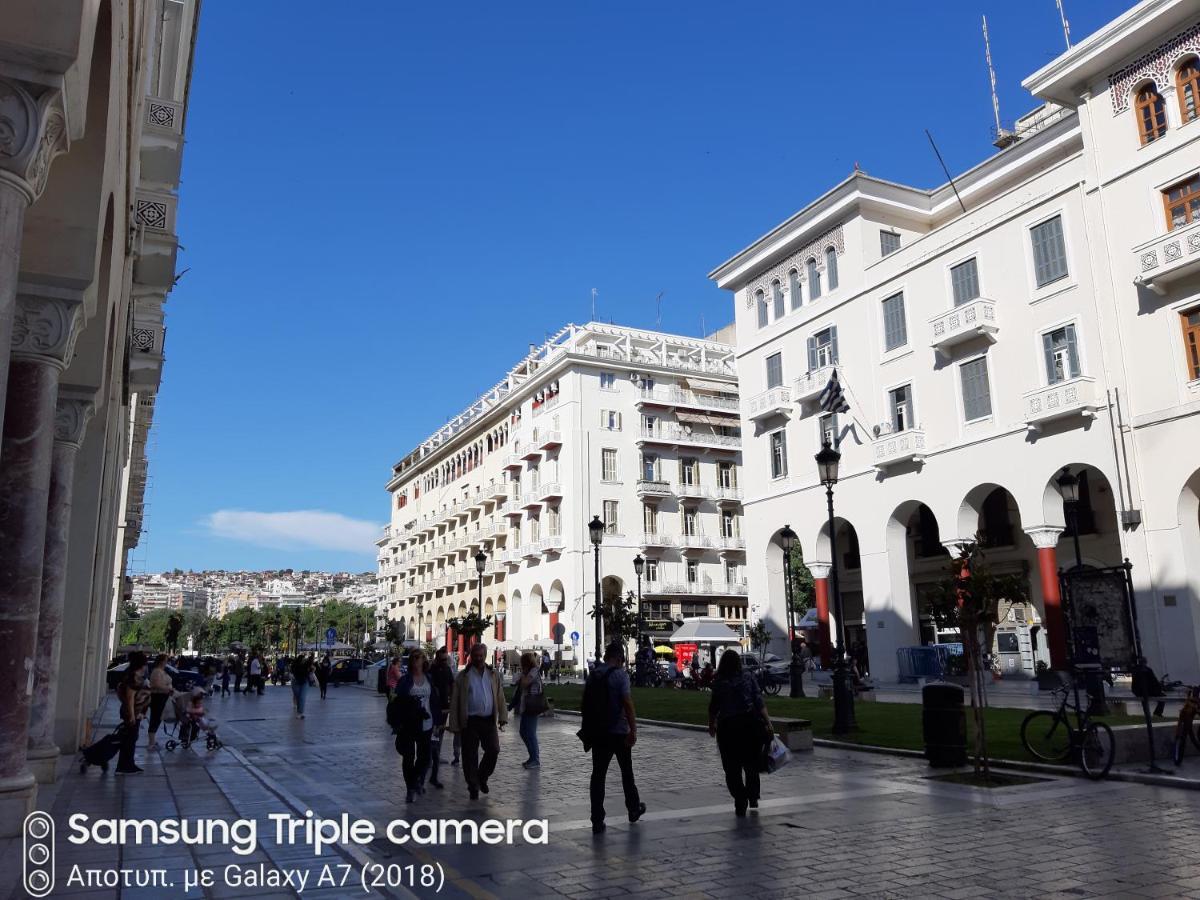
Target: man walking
{"points": [[610, 728], [477, 711]]}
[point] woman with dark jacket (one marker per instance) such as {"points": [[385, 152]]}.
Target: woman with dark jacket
{"points": [[738, 718], [443, 684], [413, 713], [135, 700]]}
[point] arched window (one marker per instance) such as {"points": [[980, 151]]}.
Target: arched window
{"points": [[794, 288], [1187, 85], [814, 279], [1151, 113], [831, 267], [764, 313], [777, 298]]}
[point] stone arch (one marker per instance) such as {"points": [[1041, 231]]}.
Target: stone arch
{"points": [[971, 511], [916, 557]]}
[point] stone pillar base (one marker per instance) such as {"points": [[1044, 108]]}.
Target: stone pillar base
{"points": [[43, 763], [17, 797]]}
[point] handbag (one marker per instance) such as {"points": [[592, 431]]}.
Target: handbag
{"points": [[535, 704], [775, 755]]}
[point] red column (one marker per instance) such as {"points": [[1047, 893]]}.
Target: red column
{"points": [[553, 622], [1056, 626], [462, 651], [501, 625], [449, 639], [821, 586]]}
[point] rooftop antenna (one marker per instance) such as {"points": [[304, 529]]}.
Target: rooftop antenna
{"points": [[1066, 26], [658, 311], [1004, 137], [593, 304]]}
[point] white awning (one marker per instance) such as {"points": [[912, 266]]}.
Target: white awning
{"points": [[695, 418], [716, 387], [704, 631]]}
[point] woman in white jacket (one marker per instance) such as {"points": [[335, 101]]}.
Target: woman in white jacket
{"points": [[160, 692]]}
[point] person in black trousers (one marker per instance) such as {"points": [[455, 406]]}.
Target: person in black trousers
{"points": [[134, 700], [323, 670], [614, 736], [737, 717], [417, 711]]}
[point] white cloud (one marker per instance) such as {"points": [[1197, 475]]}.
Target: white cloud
{"points": [[299, 529]]}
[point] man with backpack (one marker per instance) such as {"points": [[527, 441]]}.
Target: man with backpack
{"points": [[610, 729]]}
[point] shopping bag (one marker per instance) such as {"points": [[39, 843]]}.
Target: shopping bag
{"points": [[777, 755]]}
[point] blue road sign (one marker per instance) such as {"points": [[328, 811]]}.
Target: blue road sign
{"points": [[574, 637], [330, 635]]}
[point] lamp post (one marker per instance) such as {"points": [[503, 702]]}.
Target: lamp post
{"points": [[480, 565], [787, 538], [843, 693], [1068, 486], [596, 532], [639, 566]]}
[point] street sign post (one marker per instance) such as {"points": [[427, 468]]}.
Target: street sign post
{"points": [[330, 635]]}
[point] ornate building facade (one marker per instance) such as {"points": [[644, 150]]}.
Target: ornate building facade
{"points": [[92, 104]]}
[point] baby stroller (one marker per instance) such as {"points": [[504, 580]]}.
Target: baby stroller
{"points": [[188, 726]]}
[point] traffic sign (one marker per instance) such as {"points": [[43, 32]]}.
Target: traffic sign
{"points": [[559, 628], [574, 637], [330, 635]]}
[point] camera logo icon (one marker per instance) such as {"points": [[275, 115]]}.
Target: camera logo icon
{"points": [[39, 854]]}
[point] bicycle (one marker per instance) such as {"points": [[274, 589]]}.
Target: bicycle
{"points": [[1185, 726], [1050, 736]]}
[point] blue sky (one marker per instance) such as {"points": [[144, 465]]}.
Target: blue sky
{"points": [[384, 203]]}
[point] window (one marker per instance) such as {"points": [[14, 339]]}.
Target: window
{"points": [[1062, 354], [1182, 203], [1187, 86], [608, 381], [651, 572], [610, 517], [691, 526], [693, 573], [610, 420], [831, 267], [728, 524], [649, 425], [774, 370], [553, 522], [649, 519], [732, 576], [889, 242], [830, 433], [1191, 341], [901, 406], [778, 454], [823, 349], [1049, 251], [535, 528], [764, 314], [795, 290], [608, 465], [777, 298], [649, 467], [895, 332], [814, 279], [1151, 113], [726, 475], [693, 609], [689, 471], [976, 392], [964, 282]]}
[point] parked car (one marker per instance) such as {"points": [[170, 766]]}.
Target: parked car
{"points": [[347, 671], [770, 663], [380, 667], [182, 679]]}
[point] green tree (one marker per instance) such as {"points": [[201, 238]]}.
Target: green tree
{"points": [[760, 637], [803, 589], [471, 627], [620, 619]]}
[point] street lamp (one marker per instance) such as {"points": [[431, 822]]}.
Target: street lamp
{"points": [[1068, 486], [480, 565], [596, 532], [787, 538], [639, 566], [828, 461]]}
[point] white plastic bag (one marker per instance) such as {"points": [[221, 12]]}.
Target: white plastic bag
{"points": [[778, 755]]}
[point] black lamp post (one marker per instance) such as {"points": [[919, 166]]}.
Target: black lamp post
{"points": [[843, 693], [480, 565], [639, 566], [787, 538], [596, 532], [1068, 486]]}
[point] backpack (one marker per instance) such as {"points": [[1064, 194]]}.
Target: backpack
{"points": [[596, 710]]}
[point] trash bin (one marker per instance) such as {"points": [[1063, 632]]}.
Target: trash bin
{"points": [[944, 725]]}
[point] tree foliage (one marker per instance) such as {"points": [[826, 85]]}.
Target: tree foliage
{"points": [[471, 626], [760, 637], [620, 619]]}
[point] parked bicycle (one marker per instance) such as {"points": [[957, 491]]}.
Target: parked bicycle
{"points": [[770, 683], [1186, 726], [1051, 736]]}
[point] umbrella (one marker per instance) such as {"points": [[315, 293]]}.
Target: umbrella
{"points": [[664, 650]]}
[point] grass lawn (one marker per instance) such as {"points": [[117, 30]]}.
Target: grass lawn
{"points": [[881, 724]]}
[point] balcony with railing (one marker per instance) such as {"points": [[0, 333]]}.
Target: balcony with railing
{"points": [[674, 435], [531, 453], [690, 491], [498, 490], [531, 500], [550, 490], [514, 461], [809, 385], [695, 542], [531, 550], [974, 319], [704, 587], [1166, 259], [727, 494], [674, 397], [553, 543], [656, 539], [776, 401], [1073, 397], [892, 447], [731, 544], [548, 440], [652, 489]]}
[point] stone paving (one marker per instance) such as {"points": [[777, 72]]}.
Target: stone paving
{"points": [[833, 824]]}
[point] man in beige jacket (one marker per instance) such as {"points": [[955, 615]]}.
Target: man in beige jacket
{"points": [[477, 711]]}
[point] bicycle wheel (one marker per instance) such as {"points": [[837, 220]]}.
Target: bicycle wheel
{"points": [[1177, 749], [771, 688], [1096, 750], [1046, 736]]}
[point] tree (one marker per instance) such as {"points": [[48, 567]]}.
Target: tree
{"points": [[471, 626], [620, 619], [968, 598], [803, 589], [760, 636]]}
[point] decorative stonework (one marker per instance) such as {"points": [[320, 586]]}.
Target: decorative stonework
{"points": [[32, 132], [819, 569], [70, 419], [143, 340], [151, 214], [45, 328], [812, 250], [1044, 537], [1157, 65], [161, 115]]}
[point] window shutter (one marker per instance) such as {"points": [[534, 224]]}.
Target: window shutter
{"points": [[977, 401], [831, 267], [964, 281], [833, 345], [1049, 252], [1048, 348], [812, 354], [794, 287], [1072, 352], [618, 421], [761, 302]]}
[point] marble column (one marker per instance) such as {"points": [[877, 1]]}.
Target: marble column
{"points": [[32, 132], [1045, 539], [70, 420], [43, 342]]}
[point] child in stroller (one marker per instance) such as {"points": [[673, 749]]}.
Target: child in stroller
{"points": [[191, 720]]}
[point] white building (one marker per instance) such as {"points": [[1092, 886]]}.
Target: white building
{"points": [[636, 427], [1055, 322], [153, 593]]}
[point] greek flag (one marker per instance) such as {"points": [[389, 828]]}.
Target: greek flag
{"points": [[832, 400]]}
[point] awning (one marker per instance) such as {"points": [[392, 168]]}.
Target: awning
{"points": [[695, 418], [704, 631], [716, 387]]}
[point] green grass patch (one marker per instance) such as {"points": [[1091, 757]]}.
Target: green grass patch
{"points": [[892, 725]]}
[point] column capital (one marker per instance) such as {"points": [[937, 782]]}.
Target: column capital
{"points": [[819, 569], [954, 545], [71, 416], [1044, 537], [33, 130], [46, 326]]}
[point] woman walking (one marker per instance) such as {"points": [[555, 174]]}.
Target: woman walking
{"points": [[529, 703], [134, 700], [738, 718], [417, 707], [442, 678], [323, 670], [161, 689], [301, 673]]}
